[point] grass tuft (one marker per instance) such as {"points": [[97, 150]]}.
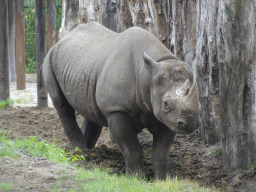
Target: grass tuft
{"points": [[5, 186], [35, 148]]}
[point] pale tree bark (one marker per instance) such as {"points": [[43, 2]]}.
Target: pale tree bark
{"points": [[42, 100], [11, 40], [221, 35], [20, 44], [236, 55], [207, 69], [4, 71]]}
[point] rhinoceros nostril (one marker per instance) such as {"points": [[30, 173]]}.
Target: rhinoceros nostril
{"points": [[181, 124]]}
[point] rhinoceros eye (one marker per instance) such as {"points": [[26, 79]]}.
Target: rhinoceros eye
{"points": [[161, 80], [165, 106]]}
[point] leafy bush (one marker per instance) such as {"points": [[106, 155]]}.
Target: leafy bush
{"points": [[4, 103]]}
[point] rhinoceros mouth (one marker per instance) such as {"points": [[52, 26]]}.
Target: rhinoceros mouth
{"points": [[176, 129], [180, 128]]}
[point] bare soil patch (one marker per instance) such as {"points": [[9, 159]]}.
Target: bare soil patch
{"points": [[189, 157]]}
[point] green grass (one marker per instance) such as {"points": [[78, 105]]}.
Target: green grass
{"points": [[5, 151], [97, 180], [94, 179], [33, 146], [5, 186]]}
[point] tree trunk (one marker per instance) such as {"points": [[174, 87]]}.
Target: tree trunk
{"points": [[236, 56], [221, 35], [11, 38], [20, 44], [40, 52], [51, 23], [4, 71], [207, 69]]}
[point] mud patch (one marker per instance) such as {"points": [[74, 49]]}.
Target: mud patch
{"points": [[189, 157], [34, 174]]}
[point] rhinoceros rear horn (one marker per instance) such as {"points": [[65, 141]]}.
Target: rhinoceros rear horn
{"points": [[184, 89], [150, 63]]}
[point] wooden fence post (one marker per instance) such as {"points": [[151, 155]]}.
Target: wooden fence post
{"points": [[4, 71], [20, 44], [42, 100], [51, 23]]}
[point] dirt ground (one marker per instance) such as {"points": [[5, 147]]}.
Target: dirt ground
{"points": [[189, 157]]}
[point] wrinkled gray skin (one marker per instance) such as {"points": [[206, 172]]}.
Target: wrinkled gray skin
{"points": [[126, 81]]}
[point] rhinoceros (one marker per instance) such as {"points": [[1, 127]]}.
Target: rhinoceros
{"points": [[126, 81]]}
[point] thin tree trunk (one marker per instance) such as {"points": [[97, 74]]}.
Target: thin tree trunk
{"points": [[20, 44], [51, 23], [40, 52], [4, 71]]}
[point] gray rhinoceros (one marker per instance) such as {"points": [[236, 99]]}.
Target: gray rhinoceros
{"points": [[126, 81]]}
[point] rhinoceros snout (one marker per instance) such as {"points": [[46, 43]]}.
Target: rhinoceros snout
{"points": [[181, 124]]}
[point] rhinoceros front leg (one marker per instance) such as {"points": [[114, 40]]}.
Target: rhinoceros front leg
{"points": [[91, 132], [122, 129], [162, 141]]}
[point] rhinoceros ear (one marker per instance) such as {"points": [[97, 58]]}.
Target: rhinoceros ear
{"points": [[149, 62]]}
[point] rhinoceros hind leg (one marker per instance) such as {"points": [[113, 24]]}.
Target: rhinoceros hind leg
{"points": [[91, 132], [68, 120], [123, 131], [65, 111]]}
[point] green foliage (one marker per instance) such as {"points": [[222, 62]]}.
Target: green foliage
{"points": [[252, 166], [76, 156], [30, 34], [10, 102], [218, 153], [21, 100], [30, 39], [4, 103], [59, 13]]}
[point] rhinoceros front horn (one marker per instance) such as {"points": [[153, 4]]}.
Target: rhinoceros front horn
{"points": [[192, 99]]}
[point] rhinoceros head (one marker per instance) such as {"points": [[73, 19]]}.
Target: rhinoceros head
{"points": [[174, 94]]}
